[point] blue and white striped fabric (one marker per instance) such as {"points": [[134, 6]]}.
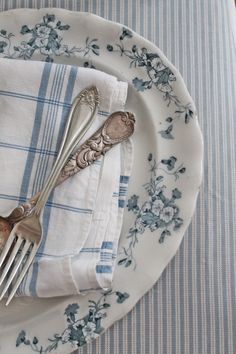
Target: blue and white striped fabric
{"points": [[83, 217], [192, 308]]}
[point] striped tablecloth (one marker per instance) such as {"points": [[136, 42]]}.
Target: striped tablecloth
{"points": [[192, 308]]}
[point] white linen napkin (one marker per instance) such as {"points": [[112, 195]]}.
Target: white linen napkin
{"points": [[83, 217]]}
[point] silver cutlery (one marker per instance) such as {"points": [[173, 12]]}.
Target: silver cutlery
{"points": [[117, 128]]}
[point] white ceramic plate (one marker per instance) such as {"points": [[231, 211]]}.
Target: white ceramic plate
{"points": [[164, 184]]}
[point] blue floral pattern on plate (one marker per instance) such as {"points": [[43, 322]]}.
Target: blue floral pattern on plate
{"points": [[160, 211], [158, 75], [46, 39], [79, 331]]}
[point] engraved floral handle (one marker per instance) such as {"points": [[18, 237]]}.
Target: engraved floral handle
{"points": [[118, 127]]}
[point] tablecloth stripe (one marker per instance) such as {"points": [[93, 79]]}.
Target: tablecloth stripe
{"points": [[192, 308]]}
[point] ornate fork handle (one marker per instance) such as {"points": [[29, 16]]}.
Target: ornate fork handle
{"points": [[117, 128]]}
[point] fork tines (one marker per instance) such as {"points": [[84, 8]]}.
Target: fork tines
{"points": [[16, 252]]}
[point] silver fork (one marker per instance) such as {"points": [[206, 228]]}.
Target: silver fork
{"points": [[26, 235]]}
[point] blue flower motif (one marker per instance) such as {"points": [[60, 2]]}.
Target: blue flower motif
{"points": [[178, 223], [170, 163], [176, 194], [71, 310], [157, 207], [182, 170], [163, 235], [49, 18], [21, 338], [109, 47], [89, 331], [166, 134], [25, 29], [35, 340], [133, 203], [167, 214], [121, 297], [126, 33], [139, 84]]}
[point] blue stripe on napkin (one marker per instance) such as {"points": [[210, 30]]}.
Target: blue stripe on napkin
{"points": [[49, 204], [107, 245], [106, 256], [124, 180], [34, 140], [103, 269], [46, 215], [36, 129], [52, 113], [43, 100], [35, 98], [27, 148]]}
